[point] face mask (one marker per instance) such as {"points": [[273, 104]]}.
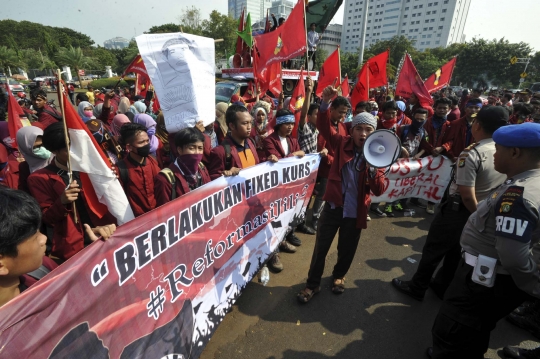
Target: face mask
{"points": [[151, 131], [143, 151], [191, 161], [88, 113], [41, 152], [416, 124], [374, 113]]}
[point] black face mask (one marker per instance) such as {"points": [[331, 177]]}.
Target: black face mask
{"points": [[143, 151]]}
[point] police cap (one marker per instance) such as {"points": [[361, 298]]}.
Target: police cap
{"points": [[493, 113], [525, 135]]}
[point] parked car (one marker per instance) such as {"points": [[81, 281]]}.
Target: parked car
{"points": [[535, 87], [15, 86], [226, 89]]}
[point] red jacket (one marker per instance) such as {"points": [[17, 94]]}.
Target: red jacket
{"points": [[272, 146], [343, 147], [326, 163], [217, 162], [454, 115], [432, 138], [163, 188], [46, 186], [140, 187], [456, 135], [45, 118]]}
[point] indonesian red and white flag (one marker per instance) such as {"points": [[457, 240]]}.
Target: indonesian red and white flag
{"points": [[102, 189]]}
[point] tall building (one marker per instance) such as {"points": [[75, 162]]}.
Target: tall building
{"points": [[116, 43], [431, 23], [257, 8], [281, 8], [330, 38]]}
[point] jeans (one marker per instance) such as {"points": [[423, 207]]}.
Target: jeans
{"points": [[331, 221]]}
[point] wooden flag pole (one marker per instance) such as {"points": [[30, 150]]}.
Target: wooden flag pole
{"points": [[60, 92], [307, 44]]}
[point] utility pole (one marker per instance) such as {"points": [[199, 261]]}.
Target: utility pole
{"points": [[521, 60], [364, 28]]}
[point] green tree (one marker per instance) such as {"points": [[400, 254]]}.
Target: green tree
{"points": [[8, 58], [74, 58], [397, 45], [349, 64], [164, 29], [190, 21], [103, 57], [220, 26]]}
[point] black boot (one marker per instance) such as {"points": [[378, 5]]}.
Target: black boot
{"points": [[519, 353], [529, 323]]}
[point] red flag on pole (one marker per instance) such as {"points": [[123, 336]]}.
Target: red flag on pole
{"points": [[286, 42], [239, 41], [329, 72], [102, 189], [297, 101], [14, 120], [377, 69], [361, 89], [267, 78], [441, 77], [345, 90], [136, 66], [410, 82]]}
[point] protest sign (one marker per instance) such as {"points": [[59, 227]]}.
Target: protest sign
{"points": [[181, 67], [160, 286], [425, 178]]}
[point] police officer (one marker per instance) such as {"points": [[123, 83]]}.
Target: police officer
{"points": [[497, 272], [474, 177]]}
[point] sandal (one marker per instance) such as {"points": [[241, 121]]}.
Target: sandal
{"points": [[339, 286], [304, 296]]}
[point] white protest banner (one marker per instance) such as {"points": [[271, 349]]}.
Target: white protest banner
{"points": [[181, 67], [426, 178]]}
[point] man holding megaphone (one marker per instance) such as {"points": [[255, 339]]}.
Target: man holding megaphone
{"points": [[347, 195]]}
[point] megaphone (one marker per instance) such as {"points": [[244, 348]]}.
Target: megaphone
{"points": [[382, 148]]}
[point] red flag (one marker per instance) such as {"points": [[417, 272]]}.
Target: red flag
{"points": [[250, 92], [377, 70], [329, 71], [267, 78], [345, 90], [286, 42], [267, 24], [136, 66], [102, 189], [142, 83], [297, 101], [410, 82], [239, 41], [14, 120], [361, 89], [441, 77]]}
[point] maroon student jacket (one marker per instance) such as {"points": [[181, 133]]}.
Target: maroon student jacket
{"points": [[217, 159], [326, 162], [140, 187], [272, 145], [163, 188], [46, 186], [456, 136], [343, 147]]}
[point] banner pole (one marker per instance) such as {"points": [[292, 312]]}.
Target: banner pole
{"points": [[60, 92]]}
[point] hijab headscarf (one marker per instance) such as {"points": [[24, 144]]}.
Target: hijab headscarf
{"points": [[117, 122], [26, 137], [221, 107], [98, 109], [254, 112], [150, 125], [81, 107], [138, 107], [124, 105], [161, 131]]}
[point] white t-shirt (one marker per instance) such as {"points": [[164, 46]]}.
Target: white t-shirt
{"points": [[284, 145]]}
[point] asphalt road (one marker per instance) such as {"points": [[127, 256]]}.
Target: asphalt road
{"points": [[370, 320]]}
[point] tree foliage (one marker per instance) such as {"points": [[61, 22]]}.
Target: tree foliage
{"points": [[480, 62], [8, 57], [74, 58]]}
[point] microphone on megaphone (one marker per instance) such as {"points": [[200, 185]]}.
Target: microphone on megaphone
{"points": [[382, 148]]}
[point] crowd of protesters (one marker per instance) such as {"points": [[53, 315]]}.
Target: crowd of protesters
{"points": [[44, 212]]}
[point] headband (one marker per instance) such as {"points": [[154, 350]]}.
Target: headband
{"points": [[285, 119]]}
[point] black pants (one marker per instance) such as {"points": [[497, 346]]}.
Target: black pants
{"points": [[71, 97], [442, 242], [318, 205], [331, 221], [470, 312]]}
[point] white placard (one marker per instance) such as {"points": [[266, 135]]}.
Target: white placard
{"points": [[181, 67]]}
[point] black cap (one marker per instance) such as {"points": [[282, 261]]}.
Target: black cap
{"points": [[493, 113]]}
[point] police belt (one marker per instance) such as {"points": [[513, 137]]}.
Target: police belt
{"points": [[472, 259]]}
